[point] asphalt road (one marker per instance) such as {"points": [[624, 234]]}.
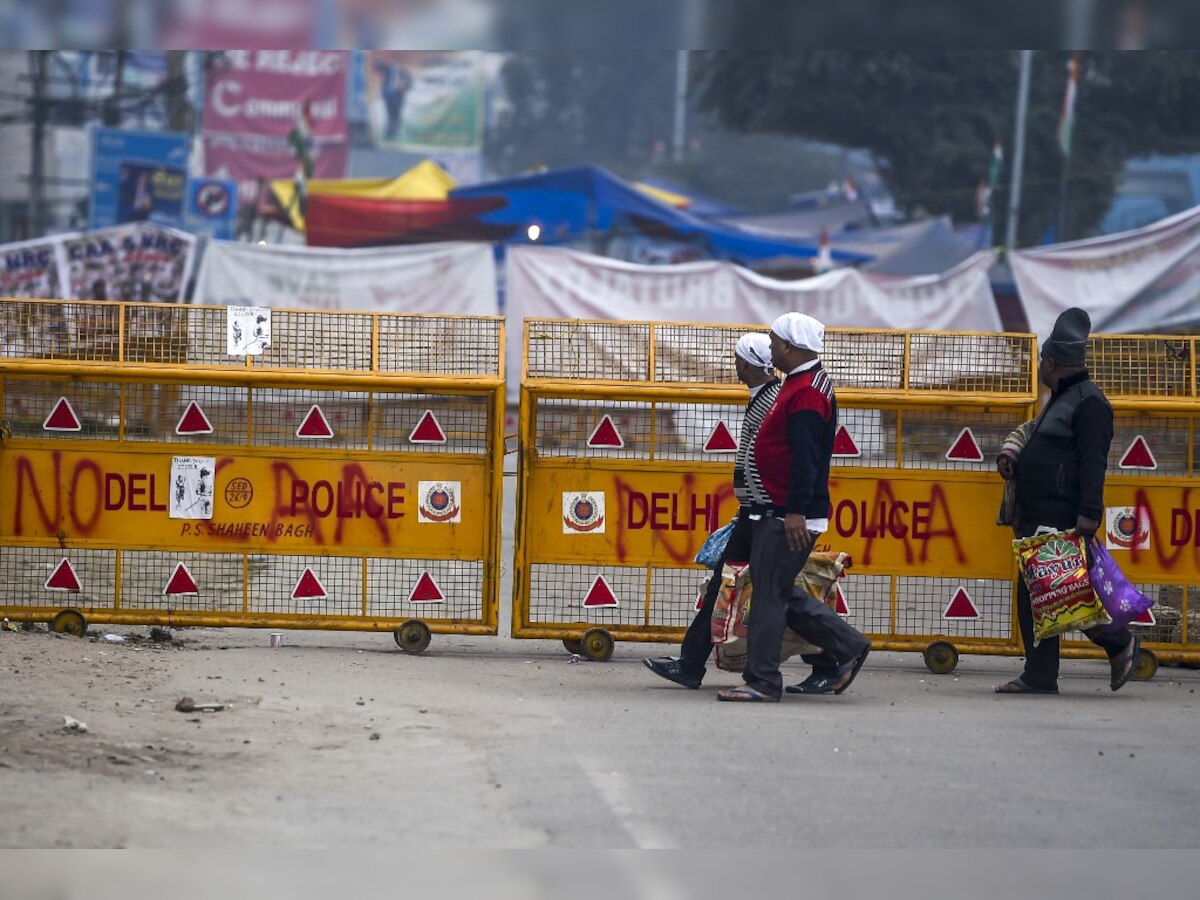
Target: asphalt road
{"points": [[342, 740]]}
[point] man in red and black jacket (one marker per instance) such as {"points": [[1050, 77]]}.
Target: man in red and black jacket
{"points": [[792, 453]]}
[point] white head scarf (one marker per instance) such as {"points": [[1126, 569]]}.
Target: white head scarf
{"points": [[756, 350], [801, 331]]}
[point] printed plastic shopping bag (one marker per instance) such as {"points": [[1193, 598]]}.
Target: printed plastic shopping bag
{"points": [[1121, 600], [714, 546], [1054, 568], [731, 613]]}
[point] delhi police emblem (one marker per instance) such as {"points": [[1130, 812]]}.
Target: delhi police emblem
{"points": [[1128, 528], [438, 501], [583, 512]]}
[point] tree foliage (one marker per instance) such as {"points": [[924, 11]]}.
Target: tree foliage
{"points": [[931, 118]]}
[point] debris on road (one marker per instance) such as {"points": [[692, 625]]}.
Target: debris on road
{"points": [[160, 635], [71, 725], [188, 705], [113, 638]]}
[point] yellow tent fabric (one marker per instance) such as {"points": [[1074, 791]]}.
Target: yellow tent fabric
{"points": [[424, 181], [663, 196]]}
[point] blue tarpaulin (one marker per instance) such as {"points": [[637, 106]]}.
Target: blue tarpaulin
{"points": [[581, 202]]}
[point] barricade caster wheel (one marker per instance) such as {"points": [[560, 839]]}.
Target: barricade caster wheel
{"points": [[1145, 665], [573, 645], [69, 621], [597, 645], [413, 636], [941, 657]]}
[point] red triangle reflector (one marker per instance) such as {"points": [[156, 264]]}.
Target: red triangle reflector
{"points": [[699, 604], [844, 444], [1146, 617], [315, 425], [841, 607], [720, 441], [309, 587], [63, 578], [1138, 456], [605, 434], [181, 582], [961, 606], [193, 421], [62, 417], [600, 594], [965, 448], [426, 591], [428, 430]]}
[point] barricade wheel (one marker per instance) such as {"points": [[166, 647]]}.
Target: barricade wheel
{"points": [[941, 657], [413, 636], [1145, 665], [573, 645], [69, 621], [597, 645]]}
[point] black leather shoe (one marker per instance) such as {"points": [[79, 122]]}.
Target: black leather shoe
{"points": [[814, 684], [670, 669]]}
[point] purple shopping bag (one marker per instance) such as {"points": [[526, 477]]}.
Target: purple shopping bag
{"points": [[1121, 600]]}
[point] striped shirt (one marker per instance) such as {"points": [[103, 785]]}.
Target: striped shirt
{"points": [[747, 485]]}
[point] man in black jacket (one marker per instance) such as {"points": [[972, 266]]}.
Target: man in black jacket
{"points": [[1060, 485]]}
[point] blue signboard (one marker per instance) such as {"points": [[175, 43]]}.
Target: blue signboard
{"points": [[212, 207], [138, 174]]}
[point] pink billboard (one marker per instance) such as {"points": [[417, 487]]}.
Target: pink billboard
{"points": [[267, 110]]}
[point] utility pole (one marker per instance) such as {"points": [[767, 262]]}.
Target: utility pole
{"points": [[112, 114], [681, 91], [37, 171], [1014, 200], [179, 110]]}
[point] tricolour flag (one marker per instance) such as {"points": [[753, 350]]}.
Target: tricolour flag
{"points": [[983, 196], [1066, 118]]}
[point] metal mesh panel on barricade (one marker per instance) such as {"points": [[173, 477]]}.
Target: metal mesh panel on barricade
{"points": [[440, 345], [592, 351], [25, 571], [347, 477], [1143, 366]]}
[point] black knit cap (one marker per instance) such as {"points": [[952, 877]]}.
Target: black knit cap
{"points": [[1067, 344]]}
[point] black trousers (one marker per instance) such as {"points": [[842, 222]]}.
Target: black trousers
{"points": [[773, 568], [697, 643], [1041, 662]]}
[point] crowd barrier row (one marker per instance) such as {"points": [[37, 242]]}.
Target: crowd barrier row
{"points": [[353, 473]]}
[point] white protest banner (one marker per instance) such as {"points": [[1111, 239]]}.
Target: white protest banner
{"points": [[546, 282], [1137, 281], [449, 278], [33, 269], [140, 262]]}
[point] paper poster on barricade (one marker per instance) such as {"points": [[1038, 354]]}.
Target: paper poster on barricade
{"points": [[456, 278], [192, 487], [551, 282], [247, 330]]}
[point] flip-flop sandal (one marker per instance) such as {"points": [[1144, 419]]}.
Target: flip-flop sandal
{"points": [[1128, 664], [745, 694], [1017, 686], [847, 673]]}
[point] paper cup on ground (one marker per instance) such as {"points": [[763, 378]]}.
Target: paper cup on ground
{"points": [[276, 638]]}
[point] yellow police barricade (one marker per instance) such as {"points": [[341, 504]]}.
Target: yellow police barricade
{"points": [[1152, 517], [345, 473], [628, 432]]}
